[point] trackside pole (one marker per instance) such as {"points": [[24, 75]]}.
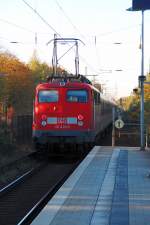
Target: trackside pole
{"points": [[113, 126], [146, 144], [141, 79]]}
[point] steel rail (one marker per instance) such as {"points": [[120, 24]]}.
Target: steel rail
{"points": [[30, 216]]}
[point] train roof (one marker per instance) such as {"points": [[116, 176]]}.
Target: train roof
{"points": [[71, 82], [61, 84], [79, 81]]}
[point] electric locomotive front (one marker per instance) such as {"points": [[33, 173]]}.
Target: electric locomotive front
{"points": [[63, 113]]}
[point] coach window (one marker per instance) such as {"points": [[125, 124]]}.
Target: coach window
{"points": [[96, 97], [77, 96], [48, 96]]}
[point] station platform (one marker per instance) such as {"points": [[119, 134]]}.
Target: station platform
{"points": [[110, 187]]}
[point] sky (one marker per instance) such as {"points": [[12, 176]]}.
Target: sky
{"points": [[100, 24]]}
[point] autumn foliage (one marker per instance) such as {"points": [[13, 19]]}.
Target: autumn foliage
{"points": [[131, 104], [18, 81], [16, 84]]}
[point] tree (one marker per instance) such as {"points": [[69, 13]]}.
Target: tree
{"points": [[147, 100], [17, 84], [132, 103], [40, 70]]}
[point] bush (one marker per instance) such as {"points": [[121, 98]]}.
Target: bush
{"points": [[5, 134]]}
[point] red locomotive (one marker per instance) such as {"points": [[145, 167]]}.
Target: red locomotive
{"points": [[69, 110]]}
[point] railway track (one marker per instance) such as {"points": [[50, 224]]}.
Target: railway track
{"points": [[17, 168], [31, 189]]}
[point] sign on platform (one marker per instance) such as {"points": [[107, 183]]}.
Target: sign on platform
{"points": [[119, 124], [140, 5]]}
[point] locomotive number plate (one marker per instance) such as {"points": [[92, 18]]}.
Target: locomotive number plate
{"points": [[62, 120]]}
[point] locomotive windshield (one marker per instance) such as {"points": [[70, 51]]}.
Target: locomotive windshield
{"points": [[77, 96], [48, 96]]}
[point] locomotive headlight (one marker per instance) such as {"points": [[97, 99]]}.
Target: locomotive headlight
{"points": [[80, 123], [44, 123], [80, 117], [36, 109], [44, 117]]}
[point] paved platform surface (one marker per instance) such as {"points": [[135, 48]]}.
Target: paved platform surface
{"points": [[110, 187]]}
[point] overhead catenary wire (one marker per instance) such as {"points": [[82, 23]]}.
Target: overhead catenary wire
{"points": [[42, 18], [68, 18], [57, 32], [118, 30], [75, 27], [23, 28], [16, 25], [3, 38], [13, 42]]}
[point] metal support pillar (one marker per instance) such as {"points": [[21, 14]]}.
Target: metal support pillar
{"points": [[141, 81], [54, 58], [77, 60], [113, 126]]}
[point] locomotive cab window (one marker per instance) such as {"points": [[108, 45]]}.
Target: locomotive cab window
{"points": [[48, 96], [77, 96]]}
